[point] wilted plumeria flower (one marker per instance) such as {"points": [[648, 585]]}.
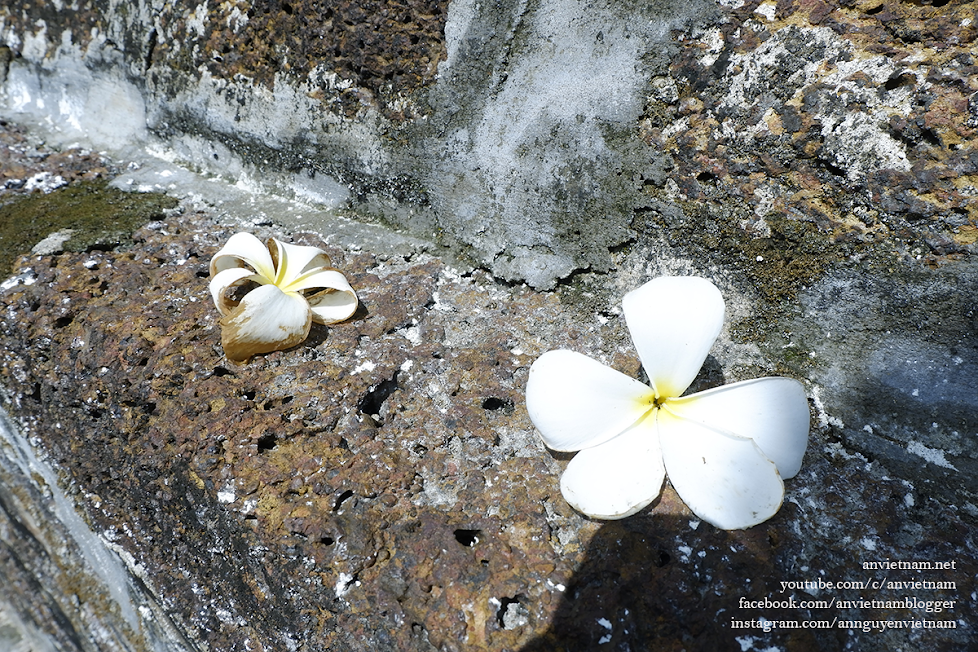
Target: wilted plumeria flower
{"points": [[296, 286], [726, 449]]}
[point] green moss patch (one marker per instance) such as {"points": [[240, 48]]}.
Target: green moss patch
{"points": [[98, 216], [792, 255]]}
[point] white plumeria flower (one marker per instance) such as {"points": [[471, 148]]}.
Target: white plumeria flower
{"points": [[726, 449], [296, 286]]}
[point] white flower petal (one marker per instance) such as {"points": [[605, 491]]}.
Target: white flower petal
{"points": [[267, 319], [223, 280], [619, 477], [335, 303], [244, 248], [292, 261], [674, 321], [576, 402], [725, 480], [319, 277], [331, 306], [771, 411]]}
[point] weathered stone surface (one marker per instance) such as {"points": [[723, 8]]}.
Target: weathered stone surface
{"points": [[349, 458], [508, 132], [831, 116], [380, 486], [825, 152]]}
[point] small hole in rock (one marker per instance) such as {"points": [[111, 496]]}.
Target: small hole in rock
{"points": [[374, 399], [493, 403], [326, 540], [512, 613], [61, 322], [221, 371], [906, 79], [267, 442], [467, 538], [346, 495], [834, 169], [931, 137]]}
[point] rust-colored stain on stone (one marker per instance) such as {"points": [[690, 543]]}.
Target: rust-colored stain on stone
{"points": [[379, 47]]}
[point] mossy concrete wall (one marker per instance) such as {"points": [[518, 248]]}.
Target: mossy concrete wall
{"points": [[505, 131]]}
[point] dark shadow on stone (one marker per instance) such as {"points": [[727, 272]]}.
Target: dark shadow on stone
{"points": [[709, 376], [360, 314], [921, 409], [319, 333], [654, 582]]}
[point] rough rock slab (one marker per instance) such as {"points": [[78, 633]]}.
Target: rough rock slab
{"points": [[380, 486]]}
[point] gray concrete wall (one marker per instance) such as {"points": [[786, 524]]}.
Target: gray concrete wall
{"points": [[516, 145]]}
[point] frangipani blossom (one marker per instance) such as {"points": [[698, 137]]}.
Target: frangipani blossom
{"points": [[726, 450], [296, 286]]}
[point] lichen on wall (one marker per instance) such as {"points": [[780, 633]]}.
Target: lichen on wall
{"points": [[839, 116], [541, 164]]}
